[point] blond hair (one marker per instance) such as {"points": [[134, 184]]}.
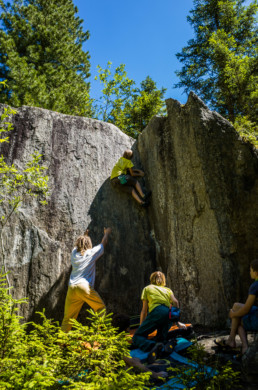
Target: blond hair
{"points": [[158, 278], [128, 154], [83, 243]]}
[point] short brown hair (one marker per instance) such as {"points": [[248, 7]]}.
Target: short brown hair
{"points": [[128, 154], [254, 265], [158, 278], [83, 243]]}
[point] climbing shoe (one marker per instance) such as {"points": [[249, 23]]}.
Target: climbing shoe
{"points": [[155, 353], [169, 347], [147, 195]]}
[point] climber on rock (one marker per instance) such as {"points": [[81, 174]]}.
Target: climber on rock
{"points": [[123, 177], [82, 278]]}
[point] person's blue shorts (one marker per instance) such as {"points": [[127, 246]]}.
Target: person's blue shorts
{"points": [[250, 320]]}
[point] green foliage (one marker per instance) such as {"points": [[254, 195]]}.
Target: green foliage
{"points": [[247, 129], [200, 377], [43, 61], [41, 56], [6, 126], [89, 357], [116, 91], [220, 63], [124, 105], [10, 329], [145, 103], [17, 183]]}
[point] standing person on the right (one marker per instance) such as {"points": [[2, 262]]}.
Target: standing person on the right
{"points": [[244, 316]]}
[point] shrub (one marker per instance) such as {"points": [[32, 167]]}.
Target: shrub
{"points": [[247, 129], [89, 357], [207, 374]]}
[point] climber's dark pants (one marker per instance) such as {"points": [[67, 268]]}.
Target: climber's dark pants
{"points": [[158, 319]]}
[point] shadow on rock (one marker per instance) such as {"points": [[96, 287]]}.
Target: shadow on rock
{"points": [[130, 254]]}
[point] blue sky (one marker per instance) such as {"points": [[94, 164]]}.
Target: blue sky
{"points": [[144, 35]]}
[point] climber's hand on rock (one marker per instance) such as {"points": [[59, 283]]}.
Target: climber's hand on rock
{"points": [[107, 230]]}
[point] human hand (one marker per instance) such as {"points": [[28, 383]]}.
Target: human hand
{"points": [[138, 172], [107, 230], [174, 300], [86, 233], [231, 313]]}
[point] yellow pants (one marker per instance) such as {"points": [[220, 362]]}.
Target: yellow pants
{"points": [[76, 296]]}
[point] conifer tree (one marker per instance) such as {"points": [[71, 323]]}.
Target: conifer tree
{"points": [[41, 55], [220, 62]]}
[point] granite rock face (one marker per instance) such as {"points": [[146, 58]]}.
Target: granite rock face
{"points": [[204, 208], [250, 362], [201, 228], [80, 154]]}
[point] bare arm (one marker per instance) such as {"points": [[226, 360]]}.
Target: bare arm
{"points": [[134, 362], [244, 309], [136, 172], [176, 303], [174, 300], [107, 232], [144, 311]]}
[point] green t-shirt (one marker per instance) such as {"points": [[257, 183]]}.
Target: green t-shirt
{"points": [[121, 167], [156, 295]]}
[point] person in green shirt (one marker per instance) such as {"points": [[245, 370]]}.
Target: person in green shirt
{"points": [[156, 302], [123, 177]]}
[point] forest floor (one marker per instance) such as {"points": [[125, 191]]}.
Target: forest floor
{"points": [[206, 339]]}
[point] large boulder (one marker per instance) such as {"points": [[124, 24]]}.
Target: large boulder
{"points": [[250, 362], [204, 179], [201, 227], [79, 154]]}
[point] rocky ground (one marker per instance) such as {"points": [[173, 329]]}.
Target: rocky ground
{"points": [[249, 371]]}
